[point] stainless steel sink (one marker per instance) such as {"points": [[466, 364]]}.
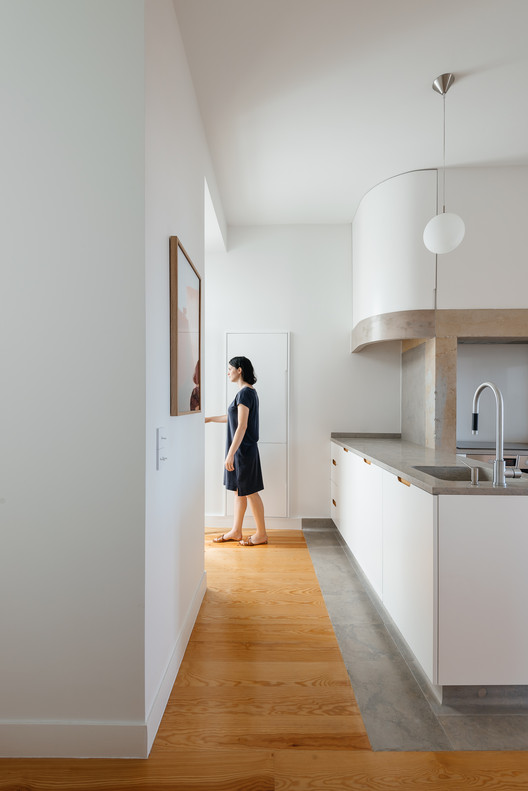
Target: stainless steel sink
{"points": [[456, 473]]}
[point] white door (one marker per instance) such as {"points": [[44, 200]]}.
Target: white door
{"points": [[269, 353]]}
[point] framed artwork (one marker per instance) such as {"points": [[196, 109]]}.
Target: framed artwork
{"points": [[185, 337]]}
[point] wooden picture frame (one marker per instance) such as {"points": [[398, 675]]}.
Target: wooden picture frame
{"points": [[185, 287]]}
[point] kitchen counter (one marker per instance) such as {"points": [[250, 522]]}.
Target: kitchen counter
{"points": [[450, 571], [400, 458]]}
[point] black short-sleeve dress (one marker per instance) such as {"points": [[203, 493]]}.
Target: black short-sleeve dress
{"points": [[246, 478]]}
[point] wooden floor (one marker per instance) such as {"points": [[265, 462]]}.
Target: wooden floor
{"points": [[263, 702]]}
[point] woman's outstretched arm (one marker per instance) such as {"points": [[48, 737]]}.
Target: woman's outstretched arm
{"points": [[216, 419]]}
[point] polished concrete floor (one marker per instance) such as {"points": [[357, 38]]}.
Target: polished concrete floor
{"points": [[397, 707]]}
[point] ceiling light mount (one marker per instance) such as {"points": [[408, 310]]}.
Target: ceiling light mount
{"points": [[444, 232], [443, 83]]}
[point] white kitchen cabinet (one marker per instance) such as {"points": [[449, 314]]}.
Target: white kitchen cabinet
{"points": [[361, 526], [483, 590], [346, 485], [336, 468], [408, 566], [450, 570], [334, 504], [389, 528], [356, 508]]}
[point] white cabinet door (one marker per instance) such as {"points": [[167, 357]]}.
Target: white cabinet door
{"points": [[366, 520], [269, 353], [335, 455], [483, 590], [361, 514], [408, 566], [274, 460], [335, 472], [390, 528], [347, 492]]}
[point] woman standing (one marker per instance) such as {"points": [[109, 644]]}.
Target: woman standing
{"points": [[242, 473]]}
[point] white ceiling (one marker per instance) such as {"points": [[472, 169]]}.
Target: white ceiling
{"points": [[307, 104]]}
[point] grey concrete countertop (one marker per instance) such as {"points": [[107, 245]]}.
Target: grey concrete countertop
{"points": [[393, 454]]}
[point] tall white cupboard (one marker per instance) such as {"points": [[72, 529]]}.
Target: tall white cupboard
{"points": [[269, 353]]}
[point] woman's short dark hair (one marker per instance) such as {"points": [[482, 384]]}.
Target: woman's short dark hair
{"points": [[248, 374]]}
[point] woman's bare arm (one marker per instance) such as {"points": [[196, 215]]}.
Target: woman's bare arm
{"points": [[216, 419]]}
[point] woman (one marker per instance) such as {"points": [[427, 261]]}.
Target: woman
{"points": [[242, 473]]}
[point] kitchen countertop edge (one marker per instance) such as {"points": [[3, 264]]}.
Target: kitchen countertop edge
{"points": [[399, 457]]}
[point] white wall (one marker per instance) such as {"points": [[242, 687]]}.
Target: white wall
{"points": [[101, 557], [297, 279], [488, 269], [72, 337], [176, 163]]}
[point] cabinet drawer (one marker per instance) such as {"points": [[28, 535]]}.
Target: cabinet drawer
{"points": [[334, 503], [336, 454]]}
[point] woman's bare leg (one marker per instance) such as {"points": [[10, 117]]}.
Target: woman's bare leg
{"points": [[240, 505], [257, 509]]}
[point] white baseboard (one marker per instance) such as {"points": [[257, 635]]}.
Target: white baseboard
{"points": [[165, 688], [272, 523], [73, 740], [86, 739]]}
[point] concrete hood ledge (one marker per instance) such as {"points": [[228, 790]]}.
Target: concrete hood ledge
{"points": [[479, 325]]}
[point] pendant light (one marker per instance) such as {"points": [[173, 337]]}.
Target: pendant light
{"points": [[444, 232]]}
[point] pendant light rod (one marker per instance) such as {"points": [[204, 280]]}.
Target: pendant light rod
{"points": [[441, 85], [443, 156]]}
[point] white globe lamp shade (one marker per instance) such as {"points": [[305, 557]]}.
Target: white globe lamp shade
{"points": [[444, 232]]}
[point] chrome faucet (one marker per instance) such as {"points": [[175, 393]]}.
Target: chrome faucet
{"points": [[499, 465]]}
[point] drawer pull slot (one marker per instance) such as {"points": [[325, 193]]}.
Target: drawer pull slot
{"points": [[334, 462], [367, 461], [334, 502], [402, 480]]}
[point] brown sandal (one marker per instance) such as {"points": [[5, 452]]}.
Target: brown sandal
{"points": [[247, 542], [223, 540]]}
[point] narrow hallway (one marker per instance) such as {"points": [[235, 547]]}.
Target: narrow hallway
{"points": [[263, 668]]}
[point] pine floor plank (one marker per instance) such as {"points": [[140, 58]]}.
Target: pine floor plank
{"points": [[273, 592], [263, 652], [316, 633], [238, 672], [178, 770], [260, 701], [263, 613], [383, 771], [213, 673], [233, 730]]}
